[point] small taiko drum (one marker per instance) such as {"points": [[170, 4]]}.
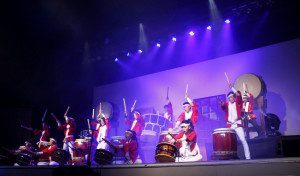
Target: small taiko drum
{"points": [[82, 147], [103, 157], [224, 144], [165, 152]]}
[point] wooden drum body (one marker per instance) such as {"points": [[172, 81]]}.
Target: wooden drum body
{"points": [[165, 152], [224, 144]]}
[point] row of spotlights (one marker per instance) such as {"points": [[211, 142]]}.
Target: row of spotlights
{"points": [[174, 39]]}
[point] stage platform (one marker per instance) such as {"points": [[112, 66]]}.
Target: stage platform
{"points": [[256, 167]]}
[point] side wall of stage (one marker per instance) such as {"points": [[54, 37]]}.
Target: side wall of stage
{"points": [[277, 64]]}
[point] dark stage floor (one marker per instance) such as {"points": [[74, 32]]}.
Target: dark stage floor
{"points": [[274, 167]]}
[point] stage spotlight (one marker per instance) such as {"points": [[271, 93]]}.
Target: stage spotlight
{"points": [[174, 39], [116, 59], [140, 51], [128, 54], [227, 21], [208, 27], [158, 44], [191, 33]]}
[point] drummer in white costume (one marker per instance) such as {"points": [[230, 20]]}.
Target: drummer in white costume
{"points": [[189, 150]]}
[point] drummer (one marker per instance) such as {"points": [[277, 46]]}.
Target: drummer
{"points": [[247, 111], [233, 108], [189, 150], [190, 112], [102, 130], [137, 124], [168, 114], [26, 149], [130, 148], [45, 154]]}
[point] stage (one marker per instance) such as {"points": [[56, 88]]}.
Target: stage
{"points": [[275, 166]]}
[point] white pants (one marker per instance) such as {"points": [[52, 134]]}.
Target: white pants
{"points": [[51, 163], [102, 145], [69, 147], [186, 155], [241, 135]]}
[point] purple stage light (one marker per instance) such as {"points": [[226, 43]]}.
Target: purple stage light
{"points": [[158, 44], [227, 21], [208, 27], [116, 59], [140, 51], [128, 54], [174, 39], [191, 33]]}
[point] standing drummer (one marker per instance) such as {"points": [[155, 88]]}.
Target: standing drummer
{"points": [[247, 111], [190, 112], [233, 108], [102, 130], [189, 150], [137, 124]]}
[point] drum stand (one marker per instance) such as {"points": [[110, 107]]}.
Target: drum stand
{"points": [[88, 162]]}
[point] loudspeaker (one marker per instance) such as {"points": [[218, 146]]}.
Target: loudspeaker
{"points": [[291, 146]]}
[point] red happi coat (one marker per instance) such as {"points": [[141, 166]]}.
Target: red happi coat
{"points": [[138, 127], [239, 106], [69, 130], [191, 138], [250, 107], [47, 152], [194, 117], [131, 147]]}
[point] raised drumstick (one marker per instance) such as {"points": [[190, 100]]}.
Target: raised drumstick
{"points": [[227, 79], [133, 106], [93, 114], [89, 126], [66, 113], [124, 103], [186, 89]]}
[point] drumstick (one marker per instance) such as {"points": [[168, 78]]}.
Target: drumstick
{"points": [[44, 115], [227, 79], [172, 136], [124, 103], [93, 114], [186, 89], [168, 93], [132, 108], [109, 143], [100, 108], [66, 113], [52, 114], [89, 126]]}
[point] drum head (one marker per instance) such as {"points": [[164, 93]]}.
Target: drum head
{"points": [[103, 157], [255, 85], [223, 130]]}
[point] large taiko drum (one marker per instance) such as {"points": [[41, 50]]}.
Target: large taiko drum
{"points": [[255, 84], [82, 147], [224, 144], [165, 152], [103, 157], [60, 156], [119, 155], [24, 159]]}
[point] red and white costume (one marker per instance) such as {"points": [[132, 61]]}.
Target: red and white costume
{"points": [[233, 118], [136, 125], [69, 131], [248, 106], [44, 137], [102, 133], [46, 153], [189, 150], [131, 152], [192, 114]]}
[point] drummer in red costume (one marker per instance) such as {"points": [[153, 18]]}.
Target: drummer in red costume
{"points": [[69, 130], [190, 112], [130, 148], [44, 135], [137, 124], [233, 109], [247, 111], [46, 153], [189, 150]]}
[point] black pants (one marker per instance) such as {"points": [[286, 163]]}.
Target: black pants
{"points": [[253, 121]]}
